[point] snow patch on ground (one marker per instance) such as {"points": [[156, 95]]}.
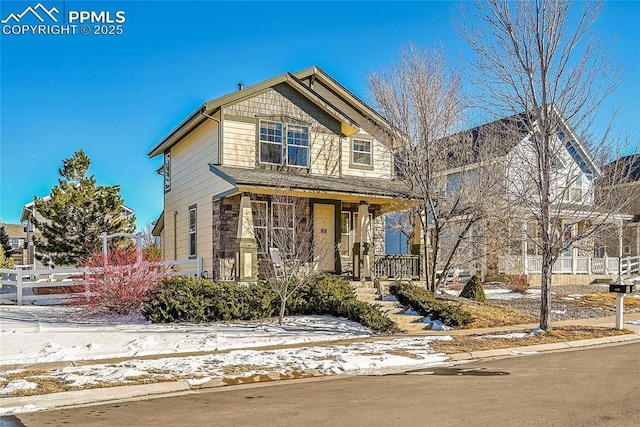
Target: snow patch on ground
{"points": [[512, 335], [435, 325], [17, 385], [32, 334]]}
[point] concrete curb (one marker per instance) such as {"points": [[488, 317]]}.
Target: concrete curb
{"points": [[11, 405]]}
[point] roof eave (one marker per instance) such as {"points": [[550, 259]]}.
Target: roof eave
{"points": [[178, 132]]}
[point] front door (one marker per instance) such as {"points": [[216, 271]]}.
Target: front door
{"points": [[324, 236]]}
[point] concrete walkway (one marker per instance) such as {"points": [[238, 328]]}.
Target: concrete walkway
{"points": [[113, 394]]}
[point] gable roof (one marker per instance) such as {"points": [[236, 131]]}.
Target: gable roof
{"points": [[349, 124], [510, 132], [14, 230], [624, 170]]}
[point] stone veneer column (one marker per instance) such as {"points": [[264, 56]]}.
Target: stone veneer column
{"points": [[246, 247]]}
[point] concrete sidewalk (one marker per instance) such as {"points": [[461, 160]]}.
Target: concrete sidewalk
{"points": [[11, 405]]}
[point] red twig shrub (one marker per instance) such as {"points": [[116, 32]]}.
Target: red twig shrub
{"points": [[118, 285]]}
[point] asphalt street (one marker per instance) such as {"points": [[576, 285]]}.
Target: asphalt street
{"points": [[587, 387]]}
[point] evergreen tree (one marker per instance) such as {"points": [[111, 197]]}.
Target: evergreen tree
{"points": [[5, 245], [6, 261], [76, 213]]}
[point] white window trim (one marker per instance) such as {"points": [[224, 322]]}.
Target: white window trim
{"points": [[293, 223], [348, 235], [260, 142], [192, 231], [264, 208], [166, 171], [284, 144], [354, 151], [307, 147]]}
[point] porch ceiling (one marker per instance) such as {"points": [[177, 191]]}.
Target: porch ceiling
{"points": [[345, 188]]}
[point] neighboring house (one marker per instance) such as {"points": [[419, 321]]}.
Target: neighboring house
{"points": [[17, 239], [627, 244], [26, 218], [508, 243], [301, 133]]}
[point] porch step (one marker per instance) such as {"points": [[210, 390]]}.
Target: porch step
{"points": [[408, 323], [357, 284]]}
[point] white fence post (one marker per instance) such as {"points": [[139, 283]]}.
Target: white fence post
{"points": [[19, 286]]}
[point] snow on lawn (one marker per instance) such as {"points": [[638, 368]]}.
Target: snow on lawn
{"points": [[497, 294], [46, 334], [32, 334], [355, 358]]}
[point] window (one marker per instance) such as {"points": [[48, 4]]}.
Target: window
{"points": [[272, 145], [298, 145], [260, 225], [193, 218], [15, 243], [346, 236], [282, 220], [167, 171], [270, 142], [273, 226], [361, 152]]}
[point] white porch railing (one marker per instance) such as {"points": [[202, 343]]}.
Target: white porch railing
{"points": [[568, 265], [17, 284]]}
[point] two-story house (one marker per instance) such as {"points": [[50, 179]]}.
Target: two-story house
{"points": [[300, 132], [509, 240], [17, 237]]}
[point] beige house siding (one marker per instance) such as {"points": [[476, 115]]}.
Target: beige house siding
{"points": [[192, 183], [284, 104], [381, 158], [239, 143]]}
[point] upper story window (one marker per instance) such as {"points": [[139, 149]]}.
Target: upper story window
{"points": [[15, 243], [167, 171], [361, 152], [298, 145], [273, 144], [270, 142]]}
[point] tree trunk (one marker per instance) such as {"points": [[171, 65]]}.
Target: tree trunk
{"points": [[283, 307], [545, 295]]}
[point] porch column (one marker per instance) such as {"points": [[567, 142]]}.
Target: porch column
{"points": [[362, 245], [246, 247]]}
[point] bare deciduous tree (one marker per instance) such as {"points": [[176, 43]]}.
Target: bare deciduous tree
{"points": [[542, 63], [283, 230], [421, 97]]}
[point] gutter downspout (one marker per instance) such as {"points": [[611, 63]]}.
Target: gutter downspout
{"points": [[175, 235], [219, 122]]}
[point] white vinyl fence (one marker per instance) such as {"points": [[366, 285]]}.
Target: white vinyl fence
{"points": [[17, 285], [569, 265]]}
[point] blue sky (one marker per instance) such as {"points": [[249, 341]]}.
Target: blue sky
{"points": [[115, 96]]}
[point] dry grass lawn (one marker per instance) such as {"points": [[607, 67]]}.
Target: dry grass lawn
{"points": [[470, 343], [606, 300], [487, 315]]}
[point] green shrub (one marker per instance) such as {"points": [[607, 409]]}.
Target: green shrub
{"points": [[426, 303], [196, 300], [474, 290], [332, 295]]}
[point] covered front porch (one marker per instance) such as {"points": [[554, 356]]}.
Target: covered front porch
{"points": [[336, 227]]}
